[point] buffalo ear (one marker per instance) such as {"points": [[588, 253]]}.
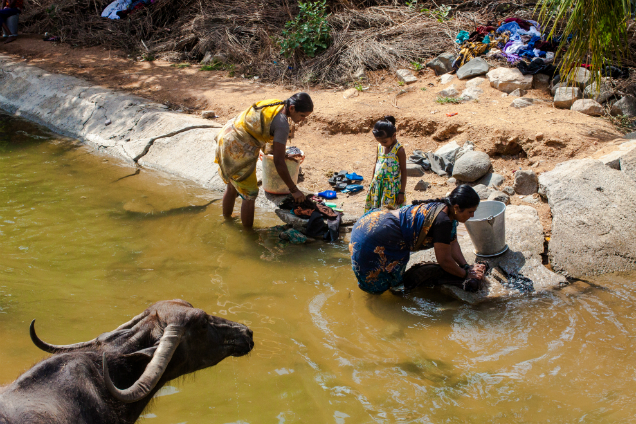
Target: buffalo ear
{"points": [[146, 353]]}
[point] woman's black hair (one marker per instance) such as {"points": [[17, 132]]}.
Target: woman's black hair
{"points": [[385, 127], [463, 196], [301, 101]]}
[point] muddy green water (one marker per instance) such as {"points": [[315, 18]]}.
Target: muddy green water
{"points": [[82, 251]]}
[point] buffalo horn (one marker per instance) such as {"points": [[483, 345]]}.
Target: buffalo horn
{"points": [[49, 348], [154, 370]]}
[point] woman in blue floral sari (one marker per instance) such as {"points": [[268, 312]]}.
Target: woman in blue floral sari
{"points": [[382, 240]]}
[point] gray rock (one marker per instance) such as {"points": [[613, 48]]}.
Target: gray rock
{"points": [[602, 95], [524, 236], [406, 76], [630, 136], [518, 93], [287, 217], [468, 146], [522, 102], [530, 199], [541, 82], [558, 85], [208, 114], [449, 91], [451, 181], [509, 190], [475, 67], [581, 78], [509, 79], [207, 58], [471, 166], [499, 196], [491, 180], [526, 182], [443, 63], [592, 218], [628, 164], [448, 151], [564, 97], [482, 191], [414, 170], [588, 107], [613, 159], [471, 93], [446, 78], [475, 82], [422, 185], [625, 106]]}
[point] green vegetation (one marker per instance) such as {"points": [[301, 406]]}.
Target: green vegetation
{"points": [[309, 32], [423, 88], [596, 30], [147, 57], [358, 85], [180, 65], [622, 122], [418, 66], [440, 13], [218, 66], [447, 100], [400, 83]]}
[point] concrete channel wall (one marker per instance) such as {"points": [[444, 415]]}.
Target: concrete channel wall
{"points": [[118, 124]]}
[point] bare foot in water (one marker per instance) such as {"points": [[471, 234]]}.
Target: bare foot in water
{"points": [[10, 39]]}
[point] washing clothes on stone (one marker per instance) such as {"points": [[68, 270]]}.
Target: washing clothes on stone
{"points": [[322, 222]]}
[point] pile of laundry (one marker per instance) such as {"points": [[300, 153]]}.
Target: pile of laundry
{"points": [[122, 8], [295, 154], [512, 40], [347, 182], [322, 221]]}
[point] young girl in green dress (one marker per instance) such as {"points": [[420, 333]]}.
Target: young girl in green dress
{"points": [[389, 175]]}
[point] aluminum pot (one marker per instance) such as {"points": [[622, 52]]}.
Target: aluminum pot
{"points": [[487, 229]]}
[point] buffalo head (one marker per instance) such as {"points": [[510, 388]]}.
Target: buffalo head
{"points": [[175, 337]]}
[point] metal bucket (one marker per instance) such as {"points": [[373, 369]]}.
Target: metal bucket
{"points": [[487, 229]]}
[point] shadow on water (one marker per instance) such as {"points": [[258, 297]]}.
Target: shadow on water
{"points": [[185, 210]]}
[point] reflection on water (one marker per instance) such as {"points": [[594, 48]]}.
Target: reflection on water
{"points": [[83, 249]]}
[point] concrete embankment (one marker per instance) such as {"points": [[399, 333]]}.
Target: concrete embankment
{"points": [[128, 127]]}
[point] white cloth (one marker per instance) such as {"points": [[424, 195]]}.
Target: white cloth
{"points": [[111, 10]]}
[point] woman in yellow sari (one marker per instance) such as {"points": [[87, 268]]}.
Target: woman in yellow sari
{"points": [[241, 139]]}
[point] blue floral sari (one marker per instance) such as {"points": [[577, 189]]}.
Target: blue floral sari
{"points": [[381, 244]]}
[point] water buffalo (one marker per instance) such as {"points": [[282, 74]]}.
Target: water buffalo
{"points": [[112, 378]]}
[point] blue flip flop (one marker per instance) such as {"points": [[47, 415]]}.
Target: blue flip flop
{"points": [[354, 177], [352, 188]]}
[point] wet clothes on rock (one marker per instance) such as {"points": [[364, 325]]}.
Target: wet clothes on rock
{"points": [[322, 220], [239, 143], [386, 183], [381, 242]]}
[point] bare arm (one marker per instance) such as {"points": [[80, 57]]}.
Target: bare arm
{"points": [[401, 154], [374, 163], [444, 256], [456, 253]]}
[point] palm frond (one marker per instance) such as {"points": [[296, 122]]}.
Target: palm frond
{"points": [[592, 32]]}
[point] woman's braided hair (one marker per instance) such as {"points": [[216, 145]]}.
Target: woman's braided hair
{"points": [[301, 101], [463, 196]]}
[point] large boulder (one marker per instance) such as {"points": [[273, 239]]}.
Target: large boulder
{"points": [[474, 68], [628, 164], [509, 79], [564, 97], [448, 151], [443, 63], [475, 82], [482, 191], [471, 166], [471, 93], [593, 218], [524, 236], [600, 95], [625, 106], [499, 196], [611, 155], [414, 170], [588, 107], [526, 182]]}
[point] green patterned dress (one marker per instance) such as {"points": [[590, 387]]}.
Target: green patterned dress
{"points": [[385, 186]]}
